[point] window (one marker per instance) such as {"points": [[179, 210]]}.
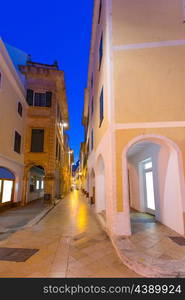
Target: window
{"points": [[20, 109], [101, 107], [92, 139], [92, 81], [92, 106], [37, 185], [100, 9], [39, 99], [59, 153], [100, 51], [7, 179], [17, 142], [0, 80], [42, 185], [57, 148], [37, 140]]}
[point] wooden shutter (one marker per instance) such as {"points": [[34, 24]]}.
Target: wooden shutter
{"points": [[101, 107], [29, 97], [48, 99], [17, 142]]}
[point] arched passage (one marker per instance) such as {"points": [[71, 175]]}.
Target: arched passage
{"points": [[100, 185], [154, 179], [7, 182], [36, 175]]}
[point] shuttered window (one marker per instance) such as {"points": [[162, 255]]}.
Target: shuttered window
{"points": [[0, 80], [92, 139], [48, 98], [101, 107], [29, 97], [39, 99], [37, 140], [100, 9], [17, 142], [20, 109]]}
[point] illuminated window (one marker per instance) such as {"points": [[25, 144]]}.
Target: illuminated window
{"points": [[42, 184], [37, 185], [148, 165], [7, 191], [92, 139], [6, 185]]}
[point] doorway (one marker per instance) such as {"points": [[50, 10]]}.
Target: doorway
{"points": [[148, 182], [155, 180]]}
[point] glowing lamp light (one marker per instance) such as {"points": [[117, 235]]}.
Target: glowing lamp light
{"points": [[64, 124]]}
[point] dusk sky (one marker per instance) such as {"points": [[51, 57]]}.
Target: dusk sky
{"points": [[54, 30]]}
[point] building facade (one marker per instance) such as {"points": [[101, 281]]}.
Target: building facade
{"points": [[134, 112], [13, 112], [45, 144]]}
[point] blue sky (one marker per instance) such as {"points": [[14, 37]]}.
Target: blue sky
{"points": [[54, 30]]}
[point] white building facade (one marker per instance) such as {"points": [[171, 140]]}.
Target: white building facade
{"points": [[13, 109]]}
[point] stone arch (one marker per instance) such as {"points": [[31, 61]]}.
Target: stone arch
{"points": [[168, 180]]}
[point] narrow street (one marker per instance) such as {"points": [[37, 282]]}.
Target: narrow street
{"points": [[70, 243]]}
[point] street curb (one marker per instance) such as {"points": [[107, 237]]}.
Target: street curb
{"points": [[40, 216], [142, 264], [35, 220]]}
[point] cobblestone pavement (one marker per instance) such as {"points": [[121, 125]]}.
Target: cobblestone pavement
{"points": [[70, 243]]}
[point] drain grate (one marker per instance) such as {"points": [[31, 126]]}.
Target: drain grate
{"points": [[178, 240], [16, 254]]}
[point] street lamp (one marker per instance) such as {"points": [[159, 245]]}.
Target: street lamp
{"points": [[62, 126]]}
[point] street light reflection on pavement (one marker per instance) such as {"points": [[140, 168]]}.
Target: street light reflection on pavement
{"points": [[79, 210]]}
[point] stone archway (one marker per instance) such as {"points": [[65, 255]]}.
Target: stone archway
{"points": [[49, 182], [36, 183], [160, 159]]}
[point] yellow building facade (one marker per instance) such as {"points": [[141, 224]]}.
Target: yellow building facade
{"points": [[134, 112], [45, 144]]}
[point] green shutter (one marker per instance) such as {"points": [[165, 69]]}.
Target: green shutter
{"points": [[29, 97]]}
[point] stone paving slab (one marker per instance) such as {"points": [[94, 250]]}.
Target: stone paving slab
{"points": [[153, 250], [71, 245]]}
